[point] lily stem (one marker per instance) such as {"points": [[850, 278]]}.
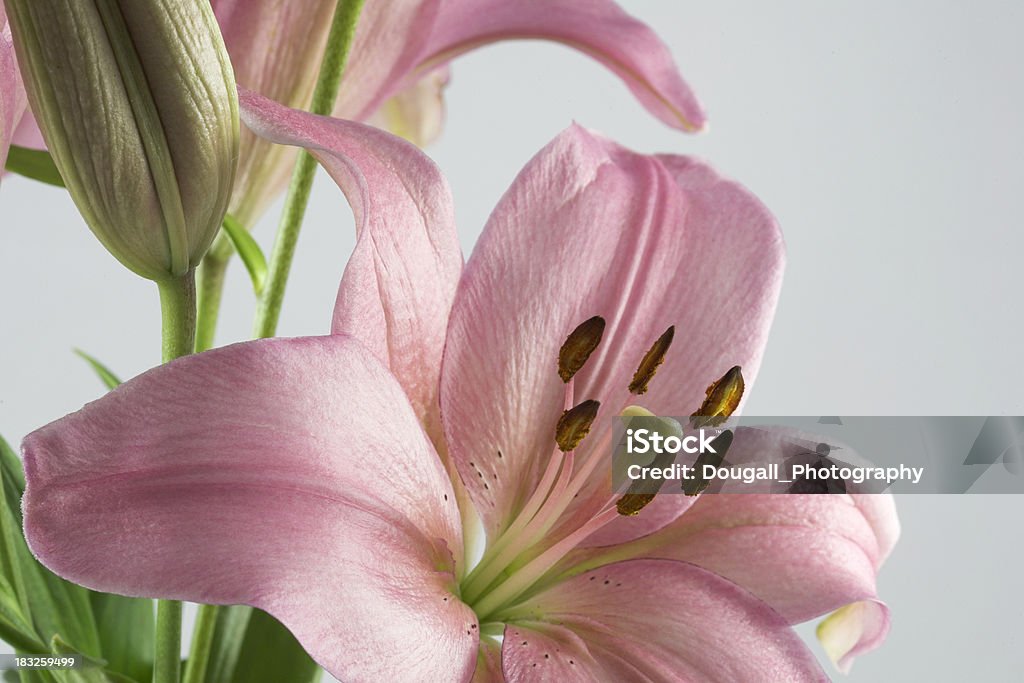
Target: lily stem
{"points": [[210, 289], [178, 314], [268, 311], [202, 644], [339, 42]]}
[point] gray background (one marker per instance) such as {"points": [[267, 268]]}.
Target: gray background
{"points": [[886, 138]]}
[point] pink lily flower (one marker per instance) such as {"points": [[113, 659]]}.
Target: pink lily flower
{"points": [[328, 480], [12, 94]]}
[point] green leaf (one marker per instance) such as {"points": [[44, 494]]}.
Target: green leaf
{"points": [[90, 671], [250, 252], [227, 643], [126, 631], [250, 646], [37, 605], [15, 623], [52, 604], [36, 164], [109, 379]]}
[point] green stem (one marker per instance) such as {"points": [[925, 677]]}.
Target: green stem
{"points": [[339, 41], [210, 289], [178, 309], [202, 644], [167, 659]]}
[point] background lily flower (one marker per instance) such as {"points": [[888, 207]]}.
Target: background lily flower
{"points": [[397, 68], [12, 95], [316, 478]]}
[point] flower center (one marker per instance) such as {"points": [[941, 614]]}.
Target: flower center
{"points": [[519, 558]]}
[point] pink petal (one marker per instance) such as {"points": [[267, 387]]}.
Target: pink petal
{"points": [[27, 134], [655, 620], [399, 283], [541, 652], [805, 555], [286, 474], [416, 113], [12, 95], [488, 663], [397, 44], [275, 49], [590, 228]]}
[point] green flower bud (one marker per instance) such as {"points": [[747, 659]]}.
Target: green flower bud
{"points": [[137, 103]]}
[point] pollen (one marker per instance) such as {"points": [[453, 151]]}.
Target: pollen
{"points": [[654, 357], [632, 503], [578, 346], [722, 399], [574, 425]]}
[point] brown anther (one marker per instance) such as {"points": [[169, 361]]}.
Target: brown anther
{"points": [[578, 346], [654, 357], [574, 425], [722, 442], [632, 503], [722, 399]]}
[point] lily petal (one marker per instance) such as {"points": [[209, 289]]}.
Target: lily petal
{"points": [[488, 663], [399, 283], [291, 475], [416, 113], [656, 620], [590, 228], [275, 49], [12, 95], [805, 555], [411, 38]]}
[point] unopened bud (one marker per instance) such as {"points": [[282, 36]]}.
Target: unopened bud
{"points": [[137, 104]]}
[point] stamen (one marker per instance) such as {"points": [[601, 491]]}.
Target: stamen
{"points": [[574, 425], [632, 503], [654, 357], [525, 577], [723, 441], [578, 346], [722, 399], [642, 491]]}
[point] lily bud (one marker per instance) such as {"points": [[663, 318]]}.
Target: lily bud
{"points": [[138, 106]]}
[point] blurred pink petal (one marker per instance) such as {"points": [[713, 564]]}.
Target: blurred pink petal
{"points": [[27, 134], [275, 49], [417, 112], [273, 473], [12, 95], [590, 228], [396, 71], [400, 281], [410, 38], [637, 621]]}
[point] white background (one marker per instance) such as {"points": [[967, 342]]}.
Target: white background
{"points": [[886, 137]]}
